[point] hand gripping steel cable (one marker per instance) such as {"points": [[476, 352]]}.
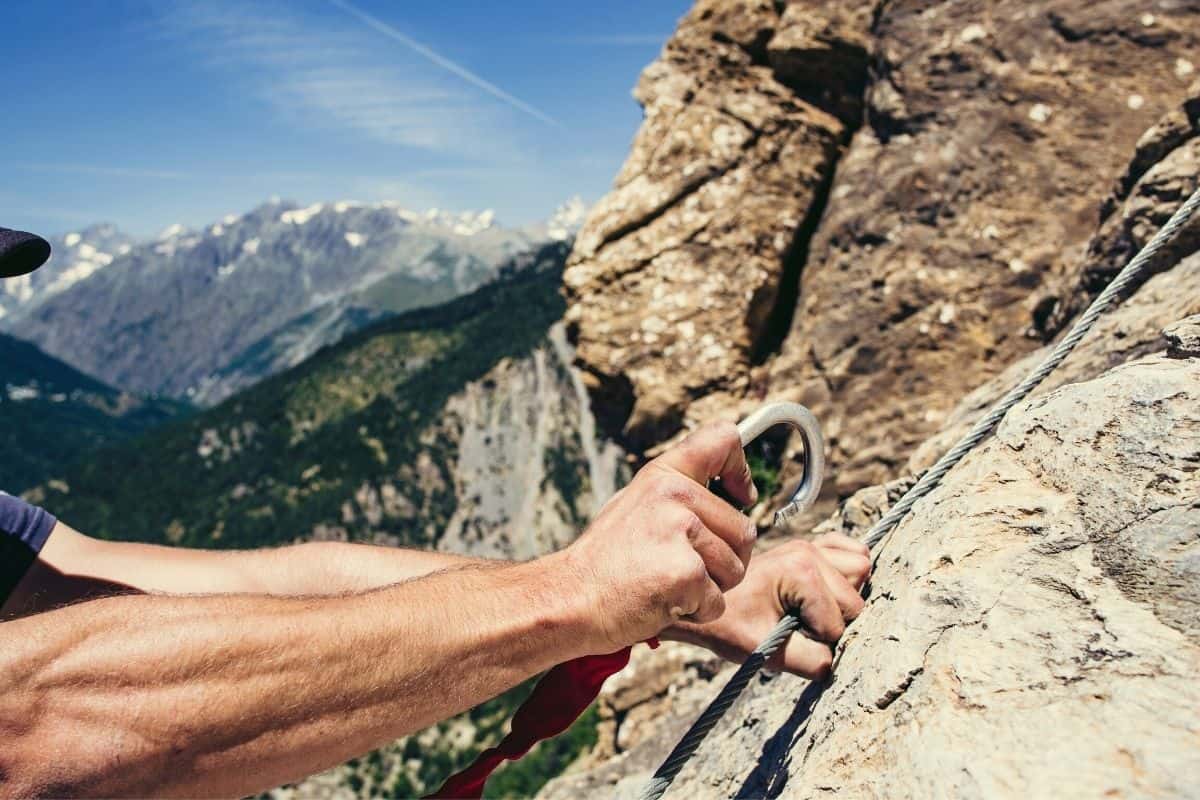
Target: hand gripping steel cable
{"points": [[1112, 294]]}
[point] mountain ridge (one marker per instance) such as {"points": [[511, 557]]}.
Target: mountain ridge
{"points": [[200, 314]]}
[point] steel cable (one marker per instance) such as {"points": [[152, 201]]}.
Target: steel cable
{"points": [[691, 740]]}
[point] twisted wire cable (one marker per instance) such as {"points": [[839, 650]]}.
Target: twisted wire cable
{"points": [[691, 740]]}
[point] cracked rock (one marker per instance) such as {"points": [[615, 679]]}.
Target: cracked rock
{"points": [[1183, 338]]}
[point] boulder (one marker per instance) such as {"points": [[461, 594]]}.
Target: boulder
{"points": [[685, 262]]}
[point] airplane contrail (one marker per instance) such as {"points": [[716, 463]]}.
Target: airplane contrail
{"points": [[445, 63]]}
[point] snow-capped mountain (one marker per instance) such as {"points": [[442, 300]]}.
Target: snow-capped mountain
{"points": [[566, 221], [74, 257], [202, 313]]}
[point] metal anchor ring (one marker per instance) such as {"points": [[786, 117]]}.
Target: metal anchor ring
{"points": [[803, 421]]}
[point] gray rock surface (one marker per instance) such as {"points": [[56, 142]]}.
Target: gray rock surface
{"points": [[529, 471], [1031, 632], [1183, 338]]}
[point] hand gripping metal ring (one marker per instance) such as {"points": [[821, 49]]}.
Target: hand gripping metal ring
{"points": [[803, 421]]}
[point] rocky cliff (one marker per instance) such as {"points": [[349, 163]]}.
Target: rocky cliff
{"points": [[1030, 629], [870, 208]]}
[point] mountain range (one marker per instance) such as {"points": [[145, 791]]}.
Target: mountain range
{"points": [[458, 426], [198, 315]]}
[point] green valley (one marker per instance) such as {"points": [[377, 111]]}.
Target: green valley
{"points": [[51, 414]]}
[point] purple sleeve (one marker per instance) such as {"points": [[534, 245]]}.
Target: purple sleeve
{"points": [[24, 530]]}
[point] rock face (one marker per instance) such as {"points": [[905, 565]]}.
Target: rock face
{"points": [[1031, 628], [1043, 600], [966, 148], [529, 470], [689, 258]]}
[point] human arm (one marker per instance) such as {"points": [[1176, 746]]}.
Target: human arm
{"points": [[208, 695], [73, 567], [229, 695]]}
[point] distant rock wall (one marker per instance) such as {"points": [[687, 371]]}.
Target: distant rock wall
{"points": [[530, 472]]}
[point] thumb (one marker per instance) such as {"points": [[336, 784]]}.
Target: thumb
{"points": [[714, 451]]}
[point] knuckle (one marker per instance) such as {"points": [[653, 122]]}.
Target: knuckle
{"points": [[737, 572], [687, 523], [863, 569], [749, 534], [855, 607], [681, 490], [655, 477], [805, 569], [671, 486]]}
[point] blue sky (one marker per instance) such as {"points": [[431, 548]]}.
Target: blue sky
{"points": [[149, 112]]}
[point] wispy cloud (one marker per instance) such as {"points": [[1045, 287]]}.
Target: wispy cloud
{"points": [[105, 171], [443, 62], [320, 74]]}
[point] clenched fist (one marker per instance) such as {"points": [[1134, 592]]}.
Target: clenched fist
{"points": [[665, 549]]}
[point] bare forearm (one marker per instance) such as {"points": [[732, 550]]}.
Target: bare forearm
{"points": [[230, 695], [337, 567], [314, 568]]}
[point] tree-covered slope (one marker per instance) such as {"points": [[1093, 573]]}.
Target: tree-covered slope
{"points": [[354, 443], [52, 414]]}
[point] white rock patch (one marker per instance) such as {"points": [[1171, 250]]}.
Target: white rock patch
{"points": [[972, 33]]}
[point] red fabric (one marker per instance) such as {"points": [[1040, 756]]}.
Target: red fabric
{"points": [[559, 698]]}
